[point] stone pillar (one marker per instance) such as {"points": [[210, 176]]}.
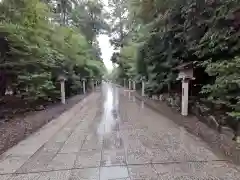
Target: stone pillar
{"points": [[185, 86], [124, 83], [129, 84], [84, 87], [143, 88], [63, 98], [134, 85], [92, 84]]}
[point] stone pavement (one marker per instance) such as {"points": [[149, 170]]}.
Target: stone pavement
{"points": [[108, 136]]}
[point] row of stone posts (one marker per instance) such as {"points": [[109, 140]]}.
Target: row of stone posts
{"points": [[132, 85], [62, 80]]}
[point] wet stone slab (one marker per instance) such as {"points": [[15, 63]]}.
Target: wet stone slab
{"points": [[113, 157], [24, 149], [39, 160], [74, 143], [62, 161], [142, 172], [11, 163], [5, 177], [52, 146], [85, 174], [137, 154], [197, 170], [113, 142], [55, 175], [25, 177], [37, 163], [92, 142], [90, 158], [116, 172], [137, 144]]}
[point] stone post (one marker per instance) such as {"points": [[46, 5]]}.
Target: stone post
{"points": [[63, 98], [143, 88], [92, 83], [185, 86], [129, 84], [124, 83], [84, 86], [62, 80], [134, 85]]}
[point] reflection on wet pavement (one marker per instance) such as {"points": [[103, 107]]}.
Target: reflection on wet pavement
{"points": [[116, 137], [110, 110]]}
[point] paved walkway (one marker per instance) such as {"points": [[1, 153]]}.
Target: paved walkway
{"points": [[111, 137]]}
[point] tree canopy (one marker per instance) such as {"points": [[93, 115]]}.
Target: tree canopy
{"points": [[41, 39], [162, 34]]}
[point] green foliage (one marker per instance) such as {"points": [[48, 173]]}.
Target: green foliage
{"points": [[168, 33], [225, 90], [89, 17], [37, 50]]}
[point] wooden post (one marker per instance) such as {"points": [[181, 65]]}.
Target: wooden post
{"points": [[185, 86]]}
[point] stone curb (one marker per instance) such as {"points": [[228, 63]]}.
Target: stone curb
{"points": [[16, 133]]}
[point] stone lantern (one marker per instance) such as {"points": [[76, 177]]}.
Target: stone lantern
{"points": [[62, 78], [185, 75]]}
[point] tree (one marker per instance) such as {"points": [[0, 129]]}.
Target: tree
{"points": [[36, 50], [89, 18], [168, 33], [118, 21]]}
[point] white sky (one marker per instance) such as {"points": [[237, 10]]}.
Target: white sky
{"points": [[104, 43], [107, 50]]}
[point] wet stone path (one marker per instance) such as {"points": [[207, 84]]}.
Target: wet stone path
{"points": [[108, 136]]}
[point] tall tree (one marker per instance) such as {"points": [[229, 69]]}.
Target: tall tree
{"points": [[118, 21], [36, 50], [89, 17]]}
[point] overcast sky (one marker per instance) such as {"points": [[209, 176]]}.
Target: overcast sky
{"points": [[107, 51], [106, 48]]}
